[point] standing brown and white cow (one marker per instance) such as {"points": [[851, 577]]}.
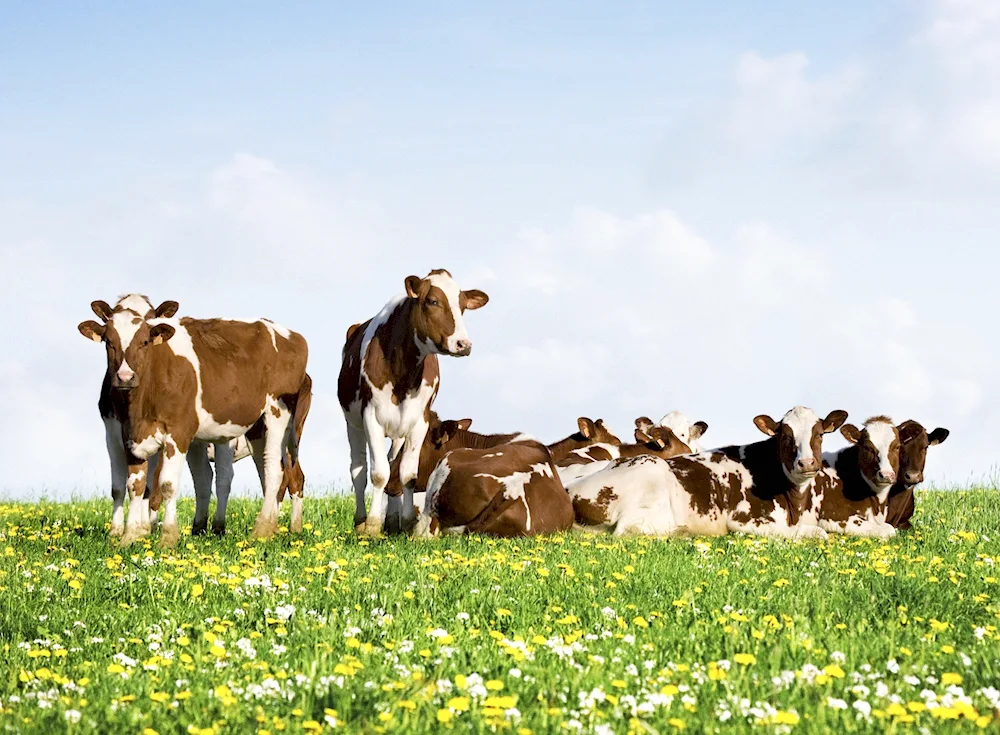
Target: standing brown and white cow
{"points": [[764, 488], [210, 380], [912, 460], [389, 379]]}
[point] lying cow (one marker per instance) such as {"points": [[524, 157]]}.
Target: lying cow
{"points": [[763, 488], [684, 430], [389, 379], [208, 380], [650, 438], [912, 459], [853, 488]]}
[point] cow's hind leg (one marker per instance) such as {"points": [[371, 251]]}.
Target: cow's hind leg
{"points": [[171, 463], [224, 458], [119, 473], [201, 473], [136, 484], [375, 439], [148, 514], [268, 460]]}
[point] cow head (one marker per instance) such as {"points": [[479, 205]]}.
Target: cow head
{"points": [[914, 441], [438, 308], [684, 430], [661, 441], [800, 440], [878, 451], [127, 334]]}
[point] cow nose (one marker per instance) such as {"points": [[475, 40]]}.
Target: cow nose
{"points": [[463, 347], [887, 477], [806, 465], [126, 376], [914, 478]]}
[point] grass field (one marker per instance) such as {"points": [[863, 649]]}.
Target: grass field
{"points": [[574, 633]]}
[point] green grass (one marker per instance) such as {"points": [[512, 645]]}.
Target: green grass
{"points": [[568, 633]]}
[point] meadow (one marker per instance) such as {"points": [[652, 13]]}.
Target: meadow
{"points": [[572, 633]]}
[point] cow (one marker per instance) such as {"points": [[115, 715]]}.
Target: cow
{"points": [[912, 459], [650, 438], [764, 488], [203, 379], [853, 488], [389, 379], [684, 430]]}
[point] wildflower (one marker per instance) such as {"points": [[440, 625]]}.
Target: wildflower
{"points": [[745, 659]]}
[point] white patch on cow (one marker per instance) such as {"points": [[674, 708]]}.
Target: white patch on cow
{"points": [[522, 438], [882, 435], [126, 324], [136, 302], [801, 421], [398, 420], [453, 293], [434, 484], [209, 429], [514, 485], [742, 507], [148, 446]]}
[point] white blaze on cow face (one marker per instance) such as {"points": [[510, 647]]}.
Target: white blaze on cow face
{"points": [[126, 324], [684, 430], [878, 453], [458, 343]]}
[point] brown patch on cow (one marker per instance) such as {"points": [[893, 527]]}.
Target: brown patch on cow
{"points": [[168, 451], [598, 454], [770, 485], [658, 441], [590, 432], [594, 512], [275, 411], [851, 496]]}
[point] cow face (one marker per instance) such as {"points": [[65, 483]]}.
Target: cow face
{"points": [[661, 441], [914, 441], [439, 326], [684, 430], [594, 432], [800, 440], [127, 335], [878, 451]]}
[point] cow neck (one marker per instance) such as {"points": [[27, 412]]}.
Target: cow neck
{"points": [[113, 402], [402, 356], [769, 478], [561, 449], [853, 485], [634, 450], [152, 382]]}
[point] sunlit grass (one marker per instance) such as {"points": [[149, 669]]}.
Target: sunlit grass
{"points": [[569, 633]]}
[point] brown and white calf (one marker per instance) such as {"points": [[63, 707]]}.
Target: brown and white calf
{"points": [[389, 379], [764, 488], [689, 433], [210, 380], [853, 488], [493, 484], [650, 438], [912, 460]]}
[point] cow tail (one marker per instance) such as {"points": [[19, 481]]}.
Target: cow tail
{"points": [[293, 479]]}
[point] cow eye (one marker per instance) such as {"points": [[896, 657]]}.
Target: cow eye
{"points": [[433, 302]]}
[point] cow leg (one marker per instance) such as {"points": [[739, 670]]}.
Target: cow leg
{"points": [[171, 463], [393, 515], [119, 472], [359, 473], [409, 465], [201, 474], [224, 458], [149, 516], [136, 484], [375, 438], [276, 418]]}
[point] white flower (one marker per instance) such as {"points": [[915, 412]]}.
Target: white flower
{"points": [[834, 703], [285, 612], [462, 616], [911, 680], [892, 666], [838, 657], [278, 649], [73, 716], [864, 709], [515, 673]]}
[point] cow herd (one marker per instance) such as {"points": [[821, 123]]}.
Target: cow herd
{"points": [[213, 391]]}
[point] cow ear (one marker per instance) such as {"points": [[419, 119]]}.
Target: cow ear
{"points": [[833, 421], [475, 299], [938, 436], [766, 424], [698, 429], [644, 422], [166, 310], [92, 330], [102, 310], [664, 437], [412, 284], [908, 431], [161, 333], [851, 433], [463, 424], [586, 427], [641, 437]]}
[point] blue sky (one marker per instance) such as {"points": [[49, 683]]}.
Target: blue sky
{"points": [[725, 209]]}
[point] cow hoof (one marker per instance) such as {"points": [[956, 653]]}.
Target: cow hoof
{"points": [[130, 536], [219, 529], [199, 529], [117, 531], [371, 527], [169, 537], [296, 525], [264, 528]]}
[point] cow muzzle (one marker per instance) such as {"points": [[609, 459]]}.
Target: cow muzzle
{"points": [[463, 348], [124, 379], [913, 478]]}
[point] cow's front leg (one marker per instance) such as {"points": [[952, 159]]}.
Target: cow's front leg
{"points": [[150, 504], [119, 473], [409, 466], [268, 460], [359, 473], [375, 439], [201, 473], [136, 485], [171, 463]]}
